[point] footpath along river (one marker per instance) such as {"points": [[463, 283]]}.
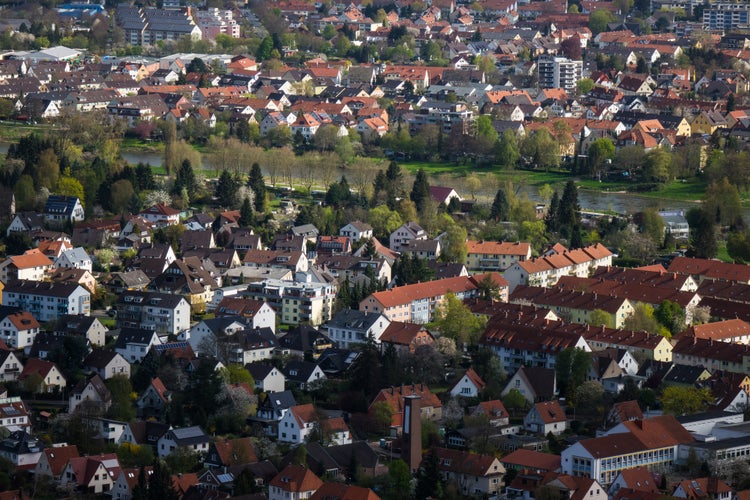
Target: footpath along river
{"points": [[595, 201]]}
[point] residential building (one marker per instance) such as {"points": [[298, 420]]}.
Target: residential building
{"points": [[127, 480], [494, 255], [472, 473], [10, 366], [60, 210], [53, 460], [51, 378], [161, 215], [559, 72], [17, 329], [405, 337], [267, 377], [93, 474], [356, 230], [430, 406], [134, 343], [162, 312], [294, 482], [85, 326], [351, 326], [21, 449], [470, 385], [230, 452], [14, 415], [106, 363], [149, 25], [406, 233], [546, 417], [75, 258], [31, 266], [535, 384], [300, 421], [47, 301], [92, 394], [190, 438], [295, 301], [304, 374]]}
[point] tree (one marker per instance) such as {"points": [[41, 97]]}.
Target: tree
{"points": [[572, 368], [454, 244], [247, 217], [584, 86], [703, 242], [120, 194], [257, 184], [160, 482], [185, 179], [652, 225], [383, 414], [237, 374], [514, 401], [599, 19], [571, 48], [723, 203], [70, 186], [508, 151], [226, 190], [429, 483], [598, 317], [420, 191], [47, 170], [600, 151], [500, 206], [671, 315], [642, 319], [542, 148], [384, 220], [681, 400], [25, 193], [589, 397], [568, 211], [658, 165], [122, 398], [265, 49], [456, 321]]}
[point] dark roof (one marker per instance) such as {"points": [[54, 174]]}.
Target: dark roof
{"points": [[542, 380], [60, 204], [683, 374], [133, 336], [150, 298], [303, 338], [46, 289], [259, 370], [301, 370], [75, 323], [186, 436], [99, 358], [21, 442], [353, 319], [279, 400]]}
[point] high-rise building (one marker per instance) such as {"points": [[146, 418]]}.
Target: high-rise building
{"points": [[559, 72]]}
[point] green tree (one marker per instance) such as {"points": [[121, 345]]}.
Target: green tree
{"points": [[122, 398], [670, 315], [227, 189], [70, 186], [247, 217], [652, 225], [542, 148], [121, 192], [185, 179], [454, 244], [500, 210], [658, 165], [398, 480], [723, 203], [160, 482], [456, 321], [237, 374], [384, 220], [47, 170], [681, 400], [642, 319], [485, 129], [420, 191], [514, 401], [383, 414], [738, 246], [257, 184], [429, 483], [265, 49], [599, 19], [598, 317], [25, 193], [584, 86], [600, 151], [703, 242], [508, 151]]}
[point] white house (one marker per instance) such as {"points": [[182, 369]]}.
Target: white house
{"points": [[301, 420], [208, 330], [406, 233], [106, 363], [77, 258], [294, 482], [161, 215], [63, 209], [32, 266], [93, 474], [10, 366], [267, 377], [190, 438], [356, 230], [51, 376], [352, 326], [93, 392], [546, 417], [133, 343], [19, 329], [48, 301], [469, 385], [162, 312]]}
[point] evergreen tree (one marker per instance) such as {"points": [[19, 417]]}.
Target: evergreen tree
{"points": [[246, 213], [227, 189], [551, 221], [395, 179], [576, 239], [185, 179], [140, 491], [429, 484], [160, 483], [500, 207], [569, 213], [420, 191], [257, 184]]}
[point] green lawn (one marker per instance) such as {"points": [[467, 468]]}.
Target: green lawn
{"points": [[140, 146], [435, 168]]}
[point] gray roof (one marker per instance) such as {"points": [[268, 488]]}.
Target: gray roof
{"points": [[150, 298], [133, 336], [353, 319], [42, 288], [189, 435]]}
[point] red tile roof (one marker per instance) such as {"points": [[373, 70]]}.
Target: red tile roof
{"points": [[529, 459], [295, 478]]}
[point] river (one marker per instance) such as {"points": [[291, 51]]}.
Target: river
{"points": [[595, 201]]}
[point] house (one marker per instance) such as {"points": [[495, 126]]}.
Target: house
{"points": [[87, 327], [406, 233], [304, 340], [495, 255], [32, 266], [473, 474], [535, 384], [443, 195], [405, 337], [190, 438], [53, 460], [145, 433], [469, 385], [271, 408], [651, 442], [343, 491], [26, 222], [17, 329], [495, 412], [22, 449], [300, 421], [59, 210], [76, 258], [106, 363], [546, 417], [50, 377], [422, 249], [229, 452], [351, 326], [10, 366], [304, 374], [58, 299], [252, 345], [161, 215], [126, 281], [430, 406], [14, 415], [203, 335], [162, 312], [134, 343], [267, 377], [356, 230], [127, 480], [154, 400], [80, 276], [703, 487], [92, 474], [293, 483], [92, 394]]}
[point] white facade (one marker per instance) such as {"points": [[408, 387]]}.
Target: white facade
{"points": [[77, 258], [45, 305], [559, 72]]}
